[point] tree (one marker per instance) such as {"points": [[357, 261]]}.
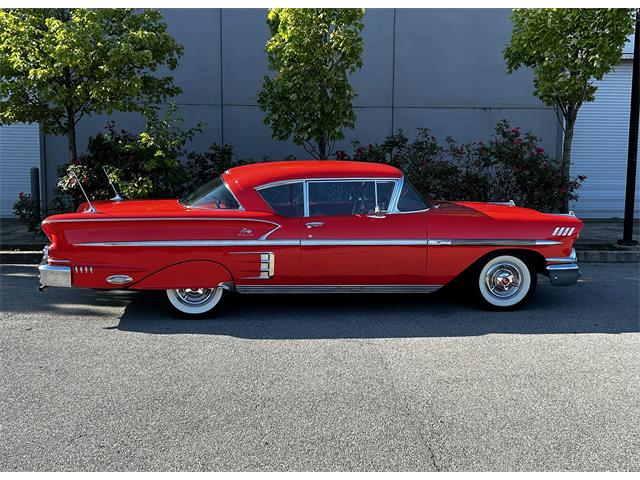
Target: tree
{"points": [[58, 65], [567, 49], [309, 97]]}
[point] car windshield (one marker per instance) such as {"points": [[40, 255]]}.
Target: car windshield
{"points": [[214, 194]]}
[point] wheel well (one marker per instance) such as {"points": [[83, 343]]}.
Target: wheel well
{"points": [[531, 256]]}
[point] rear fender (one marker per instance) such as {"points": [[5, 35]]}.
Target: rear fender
{"points": [[189, 274]]}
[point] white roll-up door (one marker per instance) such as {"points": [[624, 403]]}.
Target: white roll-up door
{"points": [[19, 152], [600, 148]]}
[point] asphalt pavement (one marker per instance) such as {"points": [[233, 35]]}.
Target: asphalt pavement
{"points": [[94, 380]]}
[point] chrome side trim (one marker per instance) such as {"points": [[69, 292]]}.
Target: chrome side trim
{"points": [[510, 203], [261, 289], [119, 279], [191, 243], [572, 259], [324, 242], [162, 219], [482, 242], [279, 183], [267, 261], [437, 243], [363, 242]]}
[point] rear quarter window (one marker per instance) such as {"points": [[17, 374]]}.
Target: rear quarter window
{"points": [[286, 200]]}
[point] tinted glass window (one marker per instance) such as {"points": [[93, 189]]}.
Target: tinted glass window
{"points": [[286, 200], [410, 200], [211, 195], [349, 198], [385, 190]]}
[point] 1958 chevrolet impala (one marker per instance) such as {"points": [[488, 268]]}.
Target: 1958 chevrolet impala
{"points": [[308, 227]]}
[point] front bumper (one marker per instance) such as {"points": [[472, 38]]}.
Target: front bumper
{"points": [[563, 272], [53, 275]]}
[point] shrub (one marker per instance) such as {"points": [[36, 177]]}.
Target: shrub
{"points": [[148, 165], [26, 210], [510, 166], [203, 167]]}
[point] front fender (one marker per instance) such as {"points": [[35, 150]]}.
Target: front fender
{"points": [[189, 274]]}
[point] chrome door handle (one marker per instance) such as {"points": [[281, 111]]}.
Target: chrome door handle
{"points": [[314, 224]]}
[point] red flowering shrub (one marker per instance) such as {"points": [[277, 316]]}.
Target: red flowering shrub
{"points": [[510, 166]]}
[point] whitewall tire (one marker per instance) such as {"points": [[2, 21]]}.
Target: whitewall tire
{"points": [[195, 301], [505, 282]]}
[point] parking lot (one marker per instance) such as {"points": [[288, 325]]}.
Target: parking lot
{"points": [[112, 381]]}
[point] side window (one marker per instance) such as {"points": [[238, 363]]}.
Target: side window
{"points": [[384, 191], [361, 197], [286, 200], [410, 200], [340, 198]]}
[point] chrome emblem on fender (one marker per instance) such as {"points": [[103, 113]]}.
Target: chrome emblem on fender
{"points": [[245, 232]]}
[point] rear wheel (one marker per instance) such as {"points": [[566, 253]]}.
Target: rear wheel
{"points": [[195, 301], [505, 282]]}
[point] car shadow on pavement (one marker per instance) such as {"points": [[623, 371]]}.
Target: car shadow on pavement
{"points": [[444, 314]]}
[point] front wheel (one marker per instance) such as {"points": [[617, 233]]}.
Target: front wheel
{"points": [[195, 301], [505, 282]]}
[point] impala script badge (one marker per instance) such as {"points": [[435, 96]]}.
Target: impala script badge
{"points": [[245, 232]]}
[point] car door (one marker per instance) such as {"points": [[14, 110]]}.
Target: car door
{"points": [[349, 237]]}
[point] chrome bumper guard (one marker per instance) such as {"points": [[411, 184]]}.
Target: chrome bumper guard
{"points": [[563, 272], [53, 275]]}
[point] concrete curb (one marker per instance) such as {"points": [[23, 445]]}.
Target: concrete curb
{"points": [[608, 256], [584, 256], [21, 257]]}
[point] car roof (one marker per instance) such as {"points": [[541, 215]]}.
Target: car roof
{"points": [[257, 174]]}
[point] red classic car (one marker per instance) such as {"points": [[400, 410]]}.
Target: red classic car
{"points": [[308, 227]]}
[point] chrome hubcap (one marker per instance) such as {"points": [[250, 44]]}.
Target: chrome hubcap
{"points": [[503, 280], [194, 296]]}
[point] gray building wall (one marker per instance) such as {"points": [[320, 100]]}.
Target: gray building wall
{"points": [[437, 69]]}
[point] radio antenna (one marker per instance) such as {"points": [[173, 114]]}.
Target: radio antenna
{"points": [[117, 198], [91, 209]]}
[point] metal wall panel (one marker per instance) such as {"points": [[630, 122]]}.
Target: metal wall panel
{"points": [[600, 148], [19, 152]]}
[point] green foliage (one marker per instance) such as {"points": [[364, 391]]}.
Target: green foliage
{"points": [[203, 167], [25, 209], [567, 48], [57, 65], [309, 97], [148, 165], [510, 166]]}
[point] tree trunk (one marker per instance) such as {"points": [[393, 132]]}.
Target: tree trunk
{"points": [[565, 165], [322, 148], [71, 140], [71, 118]]}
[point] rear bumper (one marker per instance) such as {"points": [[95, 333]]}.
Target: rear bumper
{"points": [[53, 275], [563, 272]]}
